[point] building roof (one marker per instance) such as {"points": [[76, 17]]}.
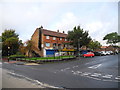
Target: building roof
{"points": [[104, 46], [53, 33]]}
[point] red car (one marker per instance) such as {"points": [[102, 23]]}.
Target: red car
{"points": [[88, 54]]}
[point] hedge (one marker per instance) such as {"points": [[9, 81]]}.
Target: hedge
{"points": [[13, 57]]}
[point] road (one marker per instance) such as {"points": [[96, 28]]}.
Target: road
{"points": [[96, 72]]}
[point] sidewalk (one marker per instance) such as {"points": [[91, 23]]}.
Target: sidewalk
{"points": [[9, 81], [21, 63]]}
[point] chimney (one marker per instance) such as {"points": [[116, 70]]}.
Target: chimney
{"points": [[57, 30], [63, 31], [41, 27]]}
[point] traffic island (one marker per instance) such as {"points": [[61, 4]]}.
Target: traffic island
{"points": [[45, 60]]}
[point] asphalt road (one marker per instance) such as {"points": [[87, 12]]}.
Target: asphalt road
{"points": [[96, 72]]}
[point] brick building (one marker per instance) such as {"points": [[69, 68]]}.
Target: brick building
{"points": [[108, 48], [47, 42]]}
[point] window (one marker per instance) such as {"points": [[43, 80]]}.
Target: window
{"points": [[65, 39], [60, 38], [47, 44], [54, 45], [47, 37], [54, 38]]}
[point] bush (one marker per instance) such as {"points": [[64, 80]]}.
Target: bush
{"points": [[13, 57]]}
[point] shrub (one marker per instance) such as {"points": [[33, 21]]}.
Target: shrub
{"points": [[13, 57]]}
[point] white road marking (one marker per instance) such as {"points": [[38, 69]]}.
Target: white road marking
{"points": [[107, 80], [93, 78], [96, 74], [0, 62], [95, 66], [75, 73], [107, 76], [78, 72], [72, 71], [118, 77], [75, 66], [85, 73], [64, 69]]}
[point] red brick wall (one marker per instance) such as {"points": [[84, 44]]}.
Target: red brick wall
{"points": [[50, 40], [34, 39]]}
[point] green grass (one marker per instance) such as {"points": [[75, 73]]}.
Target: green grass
{"points": [[48, 58]]}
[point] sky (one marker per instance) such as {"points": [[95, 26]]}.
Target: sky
{"points": [[98, 17]]}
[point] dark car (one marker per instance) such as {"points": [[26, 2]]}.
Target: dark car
{"points": [[97, 53]]}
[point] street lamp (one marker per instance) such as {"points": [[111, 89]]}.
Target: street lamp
{"points": [[79, 45], [8, 52], [54, 50]]}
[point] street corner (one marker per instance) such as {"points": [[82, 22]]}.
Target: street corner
{"points": [[16, 62], [12, 62]]}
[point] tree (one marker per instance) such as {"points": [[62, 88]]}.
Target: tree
{"points": [[112, 38], [78, 37], [9, 39], [29, 45], [94, 45], [22, 48]]}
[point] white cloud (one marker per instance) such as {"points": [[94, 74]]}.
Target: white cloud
{"points": [[67, 22], [26, 17], [59, 1], [97, 29]]}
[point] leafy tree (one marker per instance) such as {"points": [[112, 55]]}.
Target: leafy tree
{"points": [[78, 37], [9, 39], [112, 38], [94, 45], [29, 45], [22, 48]]}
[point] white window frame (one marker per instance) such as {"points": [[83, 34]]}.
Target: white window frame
{"points": [[47, 37], [54, 38], [60, 38], [65, 39], [47, 45]]}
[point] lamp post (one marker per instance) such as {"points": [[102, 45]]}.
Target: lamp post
{"points": [[79, 46], [8, 53], [54, 50]]}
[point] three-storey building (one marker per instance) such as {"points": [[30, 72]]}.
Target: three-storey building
{"points": [[47, 42]]}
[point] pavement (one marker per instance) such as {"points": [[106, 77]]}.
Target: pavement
{"points": [[96, 72], [21, 63], [9, 81]]}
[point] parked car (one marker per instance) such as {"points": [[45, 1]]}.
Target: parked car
{"points": [[88, 54], [97, 53], [111, 52], [107, 53], [103, 53]]}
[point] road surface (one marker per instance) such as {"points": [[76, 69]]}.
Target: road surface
{"points": [[96, 72]]}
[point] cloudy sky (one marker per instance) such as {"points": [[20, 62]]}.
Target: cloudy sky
{"points": [[99, 18]]}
